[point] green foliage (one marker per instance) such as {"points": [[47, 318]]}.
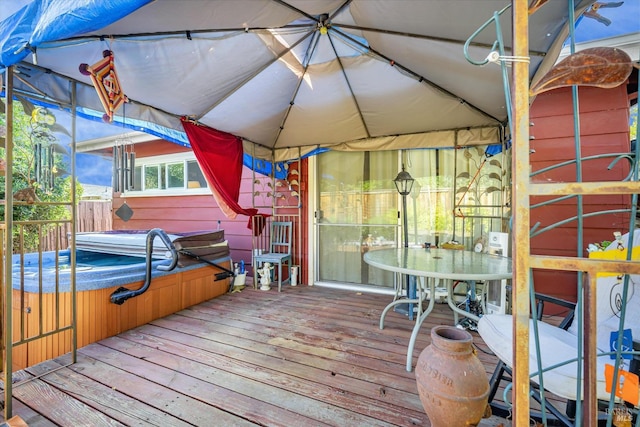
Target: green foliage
{"points": [[32, 136], [151, 177]]}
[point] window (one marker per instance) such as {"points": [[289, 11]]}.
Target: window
{"points": [[195, 177], [152, 177], [174, 174]]}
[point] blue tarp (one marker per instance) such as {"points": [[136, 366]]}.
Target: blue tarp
{"points": [[43, 21], [50, 20]]}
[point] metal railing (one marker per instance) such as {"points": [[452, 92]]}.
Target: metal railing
{"points": [[32, 325], [517, 95]]}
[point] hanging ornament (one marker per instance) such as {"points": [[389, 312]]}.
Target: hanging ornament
{"points": [[43, 116], [44, 168], [105, 80], [603, 67], [124, 158], [124, 212]]}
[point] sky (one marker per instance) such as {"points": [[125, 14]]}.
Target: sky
{"points": [[624, 19], [92, 169]]}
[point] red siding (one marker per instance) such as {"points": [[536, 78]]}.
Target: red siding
{"points": [[302, 224], [201, 212], [189, 212], [158, 147], [604, 128]]}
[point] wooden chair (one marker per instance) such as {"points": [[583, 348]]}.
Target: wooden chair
{"points": [[559, 343], [280, 249]]}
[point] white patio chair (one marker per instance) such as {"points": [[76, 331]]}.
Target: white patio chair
{"points": [[559, 344]]}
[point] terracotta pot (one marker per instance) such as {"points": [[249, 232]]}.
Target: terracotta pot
{"points": [[452, 382]]}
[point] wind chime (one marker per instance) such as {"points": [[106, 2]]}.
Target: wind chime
{"points": [[43, 165], [124, 166], [124, 159], [43, 153]]}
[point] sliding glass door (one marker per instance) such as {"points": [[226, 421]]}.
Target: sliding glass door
{"points": [[357, 212], [458, 194]]}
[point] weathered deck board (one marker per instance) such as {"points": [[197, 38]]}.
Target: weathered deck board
{"points": [[87, 381], [306, 356], [60, 407], [321, 333], [28, 415], [195, 385]]}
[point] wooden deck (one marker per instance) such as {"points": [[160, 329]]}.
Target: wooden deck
{"points": [[307, 356]]}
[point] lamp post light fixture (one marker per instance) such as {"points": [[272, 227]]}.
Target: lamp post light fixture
{"points": [[404, 184]]}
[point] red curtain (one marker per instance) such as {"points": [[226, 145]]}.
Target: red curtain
{"points": [[219, 155]]}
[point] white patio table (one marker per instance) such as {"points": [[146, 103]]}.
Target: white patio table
{"points": [[450, 265]]}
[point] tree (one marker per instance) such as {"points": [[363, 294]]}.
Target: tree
{"points": [[39, 174]]}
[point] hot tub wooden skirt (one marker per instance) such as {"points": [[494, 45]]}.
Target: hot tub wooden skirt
{"points": [[98, 318]]}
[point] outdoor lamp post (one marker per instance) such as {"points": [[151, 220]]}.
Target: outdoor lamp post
{"points": [[404, 183]]}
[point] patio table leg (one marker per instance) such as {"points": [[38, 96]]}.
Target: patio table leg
{"points": [[456, 309], [393, 304], [420, 319]]}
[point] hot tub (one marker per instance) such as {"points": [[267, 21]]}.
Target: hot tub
{"points": [[94, 270], [42, 301]]}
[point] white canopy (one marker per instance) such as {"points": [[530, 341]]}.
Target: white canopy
{"points": [[283, 74]]}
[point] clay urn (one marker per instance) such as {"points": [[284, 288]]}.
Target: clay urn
{"points": [[452, 382]]}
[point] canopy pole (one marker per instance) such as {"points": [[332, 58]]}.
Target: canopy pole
{"points": [[521, 220], [74, 222], [8, 259]]}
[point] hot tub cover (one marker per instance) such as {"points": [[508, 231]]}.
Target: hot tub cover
{"points": [[133, 243]]}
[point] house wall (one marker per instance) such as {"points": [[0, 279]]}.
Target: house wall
{"points": [[201, 212], [189, 212], [604, 128]]}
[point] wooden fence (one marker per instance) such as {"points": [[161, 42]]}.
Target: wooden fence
{"points": [[93, 215]]}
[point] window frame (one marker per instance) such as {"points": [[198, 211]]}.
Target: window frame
{"points": [[162, 162]]}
